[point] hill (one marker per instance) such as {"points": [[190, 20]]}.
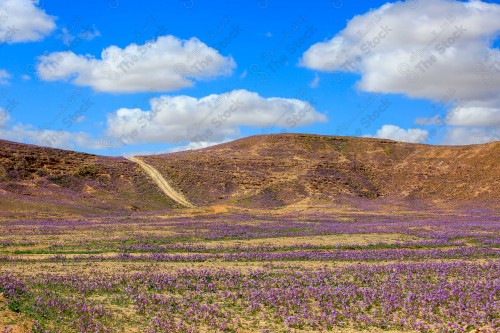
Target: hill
{"points": [[269, 171], [46, 181], [278, 170]]}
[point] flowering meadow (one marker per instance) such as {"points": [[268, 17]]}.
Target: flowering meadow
{"points": [[243, 272]]}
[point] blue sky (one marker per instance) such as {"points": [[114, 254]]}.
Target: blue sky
{"points": [[259, 50]]}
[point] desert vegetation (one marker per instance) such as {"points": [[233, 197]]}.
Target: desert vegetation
{"points": [[245, 272], [330, 241]]}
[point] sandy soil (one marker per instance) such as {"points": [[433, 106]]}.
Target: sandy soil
{"points": [[162, 183], [10, 321]]}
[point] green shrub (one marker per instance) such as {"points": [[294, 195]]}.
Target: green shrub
{"points": [[87, 171]]}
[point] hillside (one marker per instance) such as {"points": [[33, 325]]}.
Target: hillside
{"points": [[278, 170], [271, 171], [50, 182]]}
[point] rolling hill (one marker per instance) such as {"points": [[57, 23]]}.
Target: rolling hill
{"points": [[278, 170], [268, 171], [54, 182]]}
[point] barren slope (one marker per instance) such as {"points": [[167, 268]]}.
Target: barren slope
{"points": [[278, 170], [255, 172], [57, 182]]}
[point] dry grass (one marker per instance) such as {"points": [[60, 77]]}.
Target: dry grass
{"points": [[327, 240], [113, 267], [10, 321]]}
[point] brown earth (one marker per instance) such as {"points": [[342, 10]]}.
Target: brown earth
{"points": [[12, 322], [290, 169], [162, 183], [56, 182], [287, 171]]}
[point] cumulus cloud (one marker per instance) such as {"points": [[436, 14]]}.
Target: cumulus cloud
{"points": [[474, 116], [214, 118], [471, 135], [422, 49], [45, 137], [23, 21], [4, 77], [165, 64], [392, 132], [50, 138]]}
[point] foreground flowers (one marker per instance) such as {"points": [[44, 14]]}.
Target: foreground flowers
{"points": [[428, 297], [309, 273]]}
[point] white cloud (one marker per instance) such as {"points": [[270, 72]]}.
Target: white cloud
{"points": [[422, 49], [471, 135], [66, 36], [86, 34], [89, 33], [213, 118], [414, 135], [474, 116], [196, 145], [315, 82], [79, 119], [166, 64], [23, 21], [50, 138], [4, 77], [4, 118], [176, 149], [44, 137], [436, 120]]}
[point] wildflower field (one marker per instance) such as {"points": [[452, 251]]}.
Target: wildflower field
{"points": [[242, 271]]}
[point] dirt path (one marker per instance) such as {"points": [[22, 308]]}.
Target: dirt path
{"points": [[162, 183]]}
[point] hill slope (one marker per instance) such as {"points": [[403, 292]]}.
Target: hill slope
{"points": [[278, 170], [57, 182], [268, 171]]}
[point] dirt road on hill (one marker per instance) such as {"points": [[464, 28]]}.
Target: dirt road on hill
{"points": [[163, 183]]}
